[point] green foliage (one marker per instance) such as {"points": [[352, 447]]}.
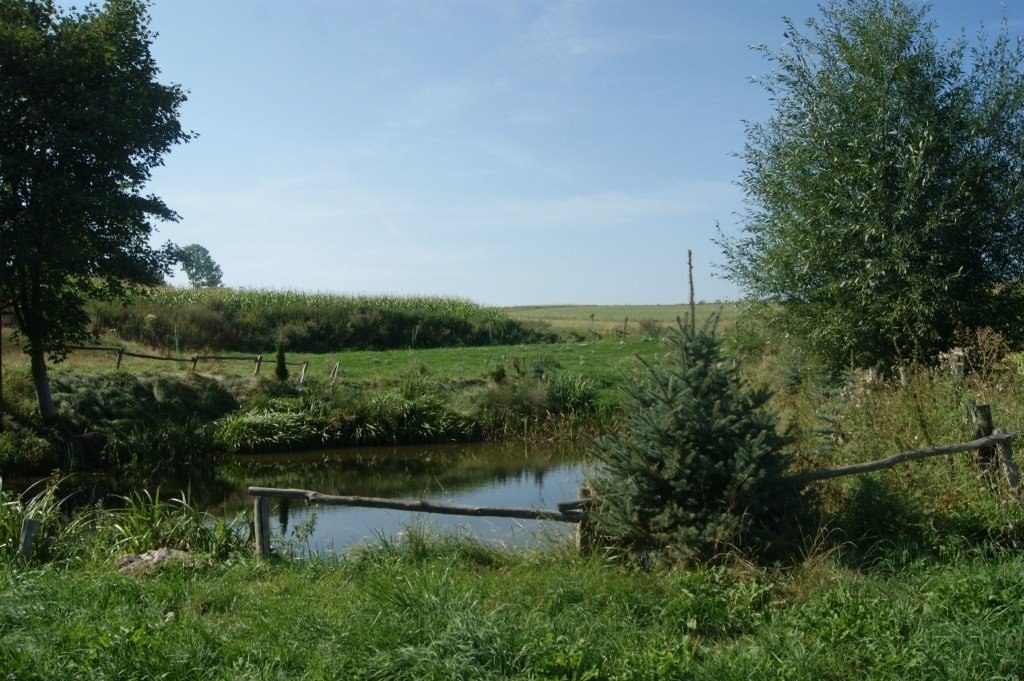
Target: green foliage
{"points": [[267, 430], [538, 399], [695, 465], [199, 266], [22, 450], [144, 521], [162, 450], [40, 502], [252, 321], [415, 412], [145, 425], [885, 193], [141, 521], [83, 124], [116, 404]]}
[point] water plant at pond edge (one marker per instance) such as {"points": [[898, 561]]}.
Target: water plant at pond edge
{"points": [[137, 522], [695, 466], [418, 410]]}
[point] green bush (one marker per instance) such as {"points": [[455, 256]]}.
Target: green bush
{"points": [[266, 430], [280, 364], [22, 450], [116, 404], [694, 467]]}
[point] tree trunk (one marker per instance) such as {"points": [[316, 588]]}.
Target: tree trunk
{"points": [[41, 380]]}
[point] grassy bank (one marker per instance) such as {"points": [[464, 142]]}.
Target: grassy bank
{"points": [[534, 391], [450, 609]]}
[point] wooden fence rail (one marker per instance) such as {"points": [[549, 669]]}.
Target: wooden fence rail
{"points": [[193, 360], [575, 511], [1000, 439]]}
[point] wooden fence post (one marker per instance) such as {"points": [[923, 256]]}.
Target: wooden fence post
{"points": [[584, 528], [981, 417], [195, 360], [29, 526], [120, 354], [334, 378], [259, 360], [1009, 465], [261, 526]]}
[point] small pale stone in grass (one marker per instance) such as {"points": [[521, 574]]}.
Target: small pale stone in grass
{"points": [[140, 563]]}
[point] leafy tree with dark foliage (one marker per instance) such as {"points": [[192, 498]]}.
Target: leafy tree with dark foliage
{"points": [[83, 121], [886, 193], [199, 266]]}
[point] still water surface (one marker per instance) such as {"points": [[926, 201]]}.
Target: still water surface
{"points": [[533, 476]]}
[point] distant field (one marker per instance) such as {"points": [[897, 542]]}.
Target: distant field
{"points": [[604, 318], [599, 351]]}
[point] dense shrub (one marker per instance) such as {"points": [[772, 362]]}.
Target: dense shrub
{"points": [[695, 466], [116, 404], [22, 450]]}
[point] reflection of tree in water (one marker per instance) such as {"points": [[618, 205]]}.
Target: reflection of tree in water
{"points": [[283, 507], [398, 473]]}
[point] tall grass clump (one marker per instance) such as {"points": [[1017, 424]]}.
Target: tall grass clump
{"points": [[134, 523], [40, 503], [695, 466], [416, 411], [537, 399], [936, 505], [254, 320]]}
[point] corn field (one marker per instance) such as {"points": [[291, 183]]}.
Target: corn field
{"points": [[251, 320]]}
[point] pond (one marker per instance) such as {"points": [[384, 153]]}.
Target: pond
{"points": [[526, 476]]}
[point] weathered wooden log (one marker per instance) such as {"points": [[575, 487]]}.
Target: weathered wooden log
{"points": [[584, 529], [261, 526], [981, 417], [1010, 467], [889, 462], [419, 505], [29, 527], [334, 378]]}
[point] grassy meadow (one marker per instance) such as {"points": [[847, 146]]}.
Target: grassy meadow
{"points": [[612, 319]]}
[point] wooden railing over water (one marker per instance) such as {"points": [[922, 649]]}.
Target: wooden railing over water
{"points": [[574, 511]]}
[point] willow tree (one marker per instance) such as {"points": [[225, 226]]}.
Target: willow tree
{"points": [[83, 122], [885, 193]]}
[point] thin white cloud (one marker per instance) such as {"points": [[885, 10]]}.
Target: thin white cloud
{"points": [[520, 159], [559, 34], [430, 103], [601, 210]]}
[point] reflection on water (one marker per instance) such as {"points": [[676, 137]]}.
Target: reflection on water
{"points": [[484, 475]]}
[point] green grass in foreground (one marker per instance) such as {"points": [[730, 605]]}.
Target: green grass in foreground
{"points": [[451, 609]]}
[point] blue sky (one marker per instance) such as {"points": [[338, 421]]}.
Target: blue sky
{"points": [[507, 152]]}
